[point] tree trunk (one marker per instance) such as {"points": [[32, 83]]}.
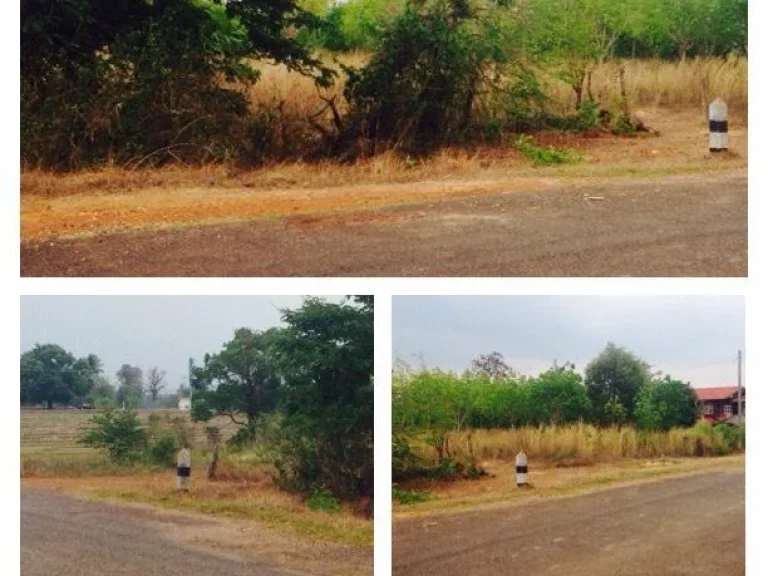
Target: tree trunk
{"points": [[214, 465], [49, 404]]}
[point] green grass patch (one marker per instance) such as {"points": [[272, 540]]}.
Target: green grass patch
{"points": [[323, 500], [409, 496], [546, 155]]}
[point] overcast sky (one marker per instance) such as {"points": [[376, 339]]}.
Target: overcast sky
{"points": [[692, 338], [146, 331]]}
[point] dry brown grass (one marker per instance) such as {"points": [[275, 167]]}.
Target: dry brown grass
{"points": [[254, 497], [683, 85], [581, 444]]}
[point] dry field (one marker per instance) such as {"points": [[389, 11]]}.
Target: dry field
{"points": [[53, 434], [669, 97]]}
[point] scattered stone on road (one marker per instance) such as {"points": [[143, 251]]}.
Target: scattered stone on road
{"points": [[684, 526], [673, 226]]}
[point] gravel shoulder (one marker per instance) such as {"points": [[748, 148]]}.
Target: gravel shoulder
{"points": [[670, 226]]}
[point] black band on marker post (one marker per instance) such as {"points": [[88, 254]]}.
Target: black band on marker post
{"points": [[522, 469], [183, 471], [720, 126]]}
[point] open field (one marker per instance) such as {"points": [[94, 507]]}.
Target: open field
{"points": [[53, 434], [547, 480]]}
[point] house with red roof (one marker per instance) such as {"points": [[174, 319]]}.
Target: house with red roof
{"points": [[720, 404]]}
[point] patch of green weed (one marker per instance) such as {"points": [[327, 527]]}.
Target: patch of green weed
{"points": [[543, 156]]}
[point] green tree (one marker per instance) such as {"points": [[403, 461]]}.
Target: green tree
{"points": [[241, 381], [144, 80], [432, 65], [614, 411], [556, 396], [49, 374], [615, 375], [103, 392], [326, 357], [130, 390], [119, 433], [665, 403]]}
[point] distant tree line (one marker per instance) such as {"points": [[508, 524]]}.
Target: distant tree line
{"points": [[52, 376], [617, 388], [604, 28]]}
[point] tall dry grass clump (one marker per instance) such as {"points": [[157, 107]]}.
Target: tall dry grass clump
{"points": [[588, 444], [292, 111], [686, 84]]}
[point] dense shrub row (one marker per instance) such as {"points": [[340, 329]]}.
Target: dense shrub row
{"points": [[140, 83]]}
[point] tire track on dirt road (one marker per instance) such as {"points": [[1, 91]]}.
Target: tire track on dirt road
{"points": [[680, 526]]}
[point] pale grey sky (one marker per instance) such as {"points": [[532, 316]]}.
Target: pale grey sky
{"points": [[146, 331], [694, 338]]}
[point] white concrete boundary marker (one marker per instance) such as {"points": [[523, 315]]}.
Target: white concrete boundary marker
{"points": [[521, 468], [183, 469], [718, 126]]}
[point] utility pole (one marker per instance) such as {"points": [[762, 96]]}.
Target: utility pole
{"points": [[738, 407]]}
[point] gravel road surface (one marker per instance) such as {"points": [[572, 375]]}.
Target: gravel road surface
{"points": [[65, 536], [684, 526], [673, 226]]}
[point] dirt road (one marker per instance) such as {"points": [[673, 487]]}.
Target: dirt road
{"points": [[64, 536], [680, 526], [673, 226]]}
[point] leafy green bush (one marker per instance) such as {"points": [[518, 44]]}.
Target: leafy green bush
{"points": [[145, 82], [323, 500], [430, 71], [118, 432], [409, 496], [162, 449], [665, 404], [541, 156]]}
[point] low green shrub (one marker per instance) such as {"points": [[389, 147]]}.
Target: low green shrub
{"points": [[162, 449], [323, 500], [409, 496], [119, 433], [540, 155]]}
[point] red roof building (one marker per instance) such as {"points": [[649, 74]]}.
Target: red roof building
{"points": [[718, 404]]}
